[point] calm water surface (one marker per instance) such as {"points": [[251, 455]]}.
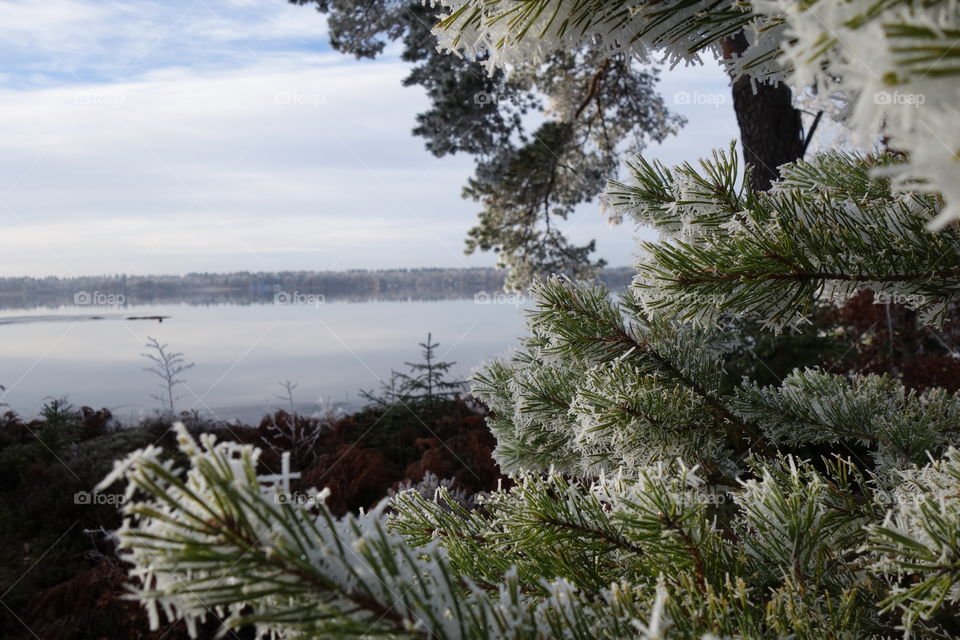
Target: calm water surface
{"points": [[241, 352]]}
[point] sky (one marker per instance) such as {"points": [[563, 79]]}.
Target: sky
{"points": [[225, 135]]}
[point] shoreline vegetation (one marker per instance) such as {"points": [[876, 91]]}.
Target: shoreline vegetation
{"points": [[418, 431], [59, 569], [248, 288], [75, 585]]}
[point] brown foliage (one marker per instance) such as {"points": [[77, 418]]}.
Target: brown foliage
{"points": [[360, 457], [889, 339], [356, 477], [76, 590], [92, 605]]}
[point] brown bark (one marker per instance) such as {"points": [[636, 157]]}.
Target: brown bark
{"points": [[771, 131]]}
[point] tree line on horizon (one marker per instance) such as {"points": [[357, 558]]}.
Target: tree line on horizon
{"points": [[245, 287]]}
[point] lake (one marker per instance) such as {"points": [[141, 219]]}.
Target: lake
{"points": [[92, 355]]}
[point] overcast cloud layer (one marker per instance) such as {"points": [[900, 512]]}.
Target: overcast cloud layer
{"points": [[222, 135]]}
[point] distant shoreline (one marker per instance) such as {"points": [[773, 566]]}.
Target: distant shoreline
{"points": [[283, 287]]}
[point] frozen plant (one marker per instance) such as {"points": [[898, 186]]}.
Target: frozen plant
{"points": [[431, 487], [168, 366], [288, 388], [892, 62]]}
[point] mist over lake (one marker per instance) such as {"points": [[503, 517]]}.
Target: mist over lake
{"points": [[242, 351], [333, 333]]}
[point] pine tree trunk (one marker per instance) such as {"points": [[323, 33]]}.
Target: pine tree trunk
{"points": [[771, 131]]}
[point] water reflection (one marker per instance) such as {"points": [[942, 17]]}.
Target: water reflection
{"points": [[242, 351]]}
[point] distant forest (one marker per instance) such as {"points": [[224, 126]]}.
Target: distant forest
{"points": [[263, 288]]}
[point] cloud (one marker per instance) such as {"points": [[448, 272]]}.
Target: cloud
{"points": [[297, 144], [224, 134], [113, 40]]}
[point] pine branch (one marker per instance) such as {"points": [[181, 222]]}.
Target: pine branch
{"points": [[812, 407], [811, 236], [219, 539]]}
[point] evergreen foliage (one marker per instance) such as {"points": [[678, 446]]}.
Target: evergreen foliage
{"points": [[428, 378], [658, 491], [825, 230], [423, 388], [60, 575], [527, 179], [167, 365], [893, 64]]}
